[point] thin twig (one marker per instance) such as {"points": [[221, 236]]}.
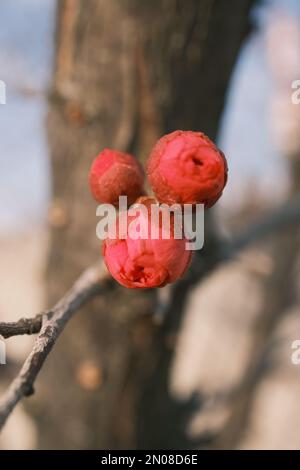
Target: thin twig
{"points": [[93, 281], [24, 326], [286, 215], [89, 284]]}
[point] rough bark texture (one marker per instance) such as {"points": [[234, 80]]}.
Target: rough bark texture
{"points": [[126, 72]]}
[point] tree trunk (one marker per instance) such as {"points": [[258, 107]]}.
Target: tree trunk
{"points": [[126, 72]]}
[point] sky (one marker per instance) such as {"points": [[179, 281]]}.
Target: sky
{"points": [[26, 57]]}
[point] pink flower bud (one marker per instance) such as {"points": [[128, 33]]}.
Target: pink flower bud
{"points": [[146, 263], [115, 174], [186, 167]]}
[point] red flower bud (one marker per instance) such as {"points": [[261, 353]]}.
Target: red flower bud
{"points": [[186, 167], [115, 174], [146, 263]]}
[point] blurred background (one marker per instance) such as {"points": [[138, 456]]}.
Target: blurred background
{"points": [[217, 371]]}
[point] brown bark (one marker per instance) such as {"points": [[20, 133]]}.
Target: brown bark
{"points": [[126, 72]]}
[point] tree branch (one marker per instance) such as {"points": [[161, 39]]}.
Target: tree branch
{"points": [[24, 326], [93, 281], [286, 215], [89, 284]]}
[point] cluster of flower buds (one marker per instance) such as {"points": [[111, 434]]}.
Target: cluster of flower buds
{"points": [[184, 167]]}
